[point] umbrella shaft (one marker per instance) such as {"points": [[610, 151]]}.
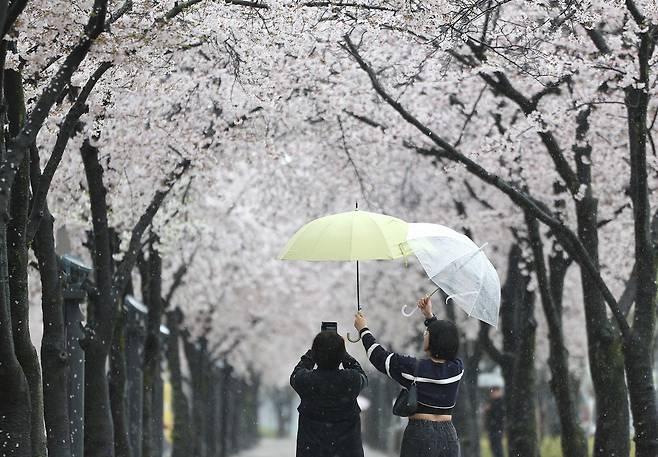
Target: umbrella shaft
{"points": [[358, 302], [435, 291]]}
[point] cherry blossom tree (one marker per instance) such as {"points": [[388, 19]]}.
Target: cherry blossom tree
{"points": [[270, 105]]}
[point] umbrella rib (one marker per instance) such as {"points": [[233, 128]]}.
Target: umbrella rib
{"points": [[320, 235], [381, 232]]}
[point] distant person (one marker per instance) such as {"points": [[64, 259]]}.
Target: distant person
{"points": [[329, 416], [430, 432], [494, 420]]}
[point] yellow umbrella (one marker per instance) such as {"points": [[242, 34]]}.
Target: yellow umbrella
{"points": [[354, 235], [350, 236]]}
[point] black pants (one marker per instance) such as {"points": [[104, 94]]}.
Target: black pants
{"points": [[496, 442], [430, 439]]}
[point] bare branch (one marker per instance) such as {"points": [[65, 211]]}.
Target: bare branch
{"points": [[122, 273], [178, 278], [248, 3], [350, 5], [490, 348], [349, 158], [115, 16], [366, 120], [179, 8]]}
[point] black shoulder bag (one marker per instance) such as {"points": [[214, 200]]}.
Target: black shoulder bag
{"points": [[407, 402]]}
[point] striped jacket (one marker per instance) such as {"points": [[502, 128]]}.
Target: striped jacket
{"points": [[437, 382]]}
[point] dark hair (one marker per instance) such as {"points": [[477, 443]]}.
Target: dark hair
{"points": [[444, 339], [328, 349]]}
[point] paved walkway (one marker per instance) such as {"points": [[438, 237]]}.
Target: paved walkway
{"points": [[286, 448]]}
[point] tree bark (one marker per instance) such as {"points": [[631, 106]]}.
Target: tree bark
{"points": [[181, 436], [117, 386], [101, 317], [196, 357], [572, 437], [20, 310], [152, 349], [18, 258], [15, 414], [522, 425], [604, 349], [638, 353], [54, 357], [517, 358]]}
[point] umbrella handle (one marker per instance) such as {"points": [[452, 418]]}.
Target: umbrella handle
{"points": [[404, 308], [407, 314], [349, 338]]}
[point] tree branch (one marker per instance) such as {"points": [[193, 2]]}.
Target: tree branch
{"points": [[350, 5], [627, 297], [126, 265], [638, 17], [490, 348], [66, 131], [115, 16], [179, 275], [19, 146], [103, 309], [247, 3], [598, 40], [569, 240], [349, 158]]}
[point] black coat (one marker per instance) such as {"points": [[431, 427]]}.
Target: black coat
{"points": [[329, 421]]}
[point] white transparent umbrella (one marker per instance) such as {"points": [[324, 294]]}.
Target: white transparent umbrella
{"points": [[458, 267]]}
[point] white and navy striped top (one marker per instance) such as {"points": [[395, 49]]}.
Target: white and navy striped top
{"points": [[437, 383]]}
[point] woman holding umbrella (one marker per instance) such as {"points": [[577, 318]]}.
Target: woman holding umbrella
{"points": [[430, 432]]}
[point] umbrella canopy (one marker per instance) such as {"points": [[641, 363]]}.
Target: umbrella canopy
{"points": [[459, 267], [353, 235]]}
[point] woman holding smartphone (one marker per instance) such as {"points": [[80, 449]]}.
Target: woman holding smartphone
{"points": [[430, 432]]}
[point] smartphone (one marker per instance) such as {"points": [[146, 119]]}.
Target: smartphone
{"points": [[329, 326]]}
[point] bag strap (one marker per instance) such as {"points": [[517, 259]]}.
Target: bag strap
{"points": [[416, 371]]}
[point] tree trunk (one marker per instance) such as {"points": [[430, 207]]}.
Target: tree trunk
{"points": [[282, 404], [99, 429], [54, 357], [152, 350], [225, 411], [101, 317], [466, 411], [197, 358], [15, 421], [18, 258], [517, 358], [15, 405], [181, 436], [25, 351], [603, 339], [117, 386], [574, 443], [604, 348], [522, 425], [638, 351]]}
